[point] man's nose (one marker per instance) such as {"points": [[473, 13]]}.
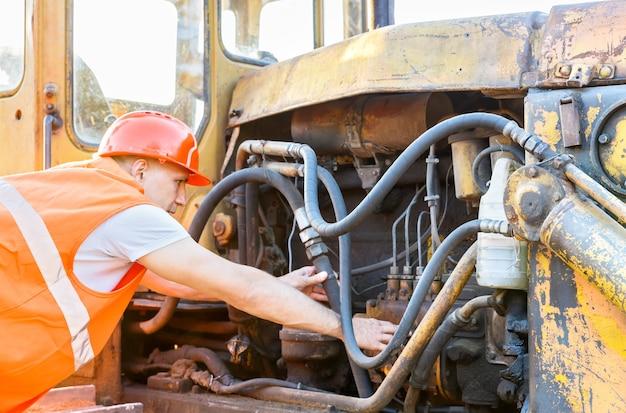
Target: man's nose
{"points": [[181, 196]]}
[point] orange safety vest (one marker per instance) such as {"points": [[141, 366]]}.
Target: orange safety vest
{"points": [[51, 324]]}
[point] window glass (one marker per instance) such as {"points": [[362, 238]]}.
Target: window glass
{"points": [[153, 59], [11, 44], [267, 31], [333, 21]]}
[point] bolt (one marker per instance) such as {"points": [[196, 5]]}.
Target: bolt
{"points": [[565, 70], [603, 139], [218, 228], [605, 72], [532, 172], [49, 107]]}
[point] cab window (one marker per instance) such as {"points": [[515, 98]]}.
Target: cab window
{"points": [[11, 44], [137, 55], [266, 31]]}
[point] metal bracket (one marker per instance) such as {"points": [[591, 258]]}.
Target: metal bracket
{"points": [[369, 174], [580, 75], [570, 121]]}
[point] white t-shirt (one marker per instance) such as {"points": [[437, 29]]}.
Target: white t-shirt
{"points": [[111, 249]]}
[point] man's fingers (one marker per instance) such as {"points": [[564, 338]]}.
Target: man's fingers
{"points": [[318, 297], [389, 328], [318, 278], [385, 338]]}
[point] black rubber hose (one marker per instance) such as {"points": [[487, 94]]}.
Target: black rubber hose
{"points": [[234, 180], [417, 298], [252, 222], [407, 158], [294, 198], [450, 326], [339, 206], [420, 292], [240, 207], [515, 151], [432, 197]]}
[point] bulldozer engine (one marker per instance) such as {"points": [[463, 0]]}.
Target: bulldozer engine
{"points": [[462, 179]]}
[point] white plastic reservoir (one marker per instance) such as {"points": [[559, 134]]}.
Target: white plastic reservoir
{"points": [[501, 262]]}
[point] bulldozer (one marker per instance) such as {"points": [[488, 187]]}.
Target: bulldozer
{"points": [[464, 179]]}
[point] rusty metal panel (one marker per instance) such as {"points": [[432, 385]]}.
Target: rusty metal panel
{"points": [[577, 343], [584, 43], [466, 54]]}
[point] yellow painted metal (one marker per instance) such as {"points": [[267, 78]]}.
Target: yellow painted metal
{"points": [[546, 127], [591, 243], [614, 155], [463, 154], [584, 35], [578, 349], [18, 137], [469, 54]]}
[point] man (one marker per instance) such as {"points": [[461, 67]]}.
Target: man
{"points": [[78, 239]]}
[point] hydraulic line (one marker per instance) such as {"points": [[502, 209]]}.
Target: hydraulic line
{"points": [[418, 296], [407, 158], [421, 290], [294, 199], [432, 198], [450, 326], [406, 360]]}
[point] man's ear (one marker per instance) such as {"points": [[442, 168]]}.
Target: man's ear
{"points": [[138, 168]]}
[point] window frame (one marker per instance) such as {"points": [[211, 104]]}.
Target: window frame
{"points": [[11, 92], [69, 89], [246, 59]]}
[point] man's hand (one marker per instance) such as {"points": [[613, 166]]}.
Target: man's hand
{"points": [[306, 280], [372, 334]]}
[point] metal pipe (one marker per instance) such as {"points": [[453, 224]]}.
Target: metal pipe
{"points": [[417, 298], [411, 399], [451, 325], [590, 242], [597, 192], [541, 150], [404, 364]]}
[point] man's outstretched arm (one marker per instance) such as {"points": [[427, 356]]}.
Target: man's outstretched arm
{"points": [[256, 292]]}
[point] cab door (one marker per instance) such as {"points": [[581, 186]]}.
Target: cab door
{"points": [[19, 145]]}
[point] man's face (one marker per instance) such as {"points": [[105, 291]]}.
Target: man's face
{"points": [[164, 184]]}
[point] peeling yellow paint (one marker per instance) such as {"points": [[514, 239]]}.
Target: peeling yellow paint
{"points": [[615, 162], [546, 128], [592, 114], [561, 378], [582, 347]]}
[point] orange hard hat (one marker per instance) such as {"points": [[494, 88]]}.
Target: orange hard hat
{"points": [[155, 135]]}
